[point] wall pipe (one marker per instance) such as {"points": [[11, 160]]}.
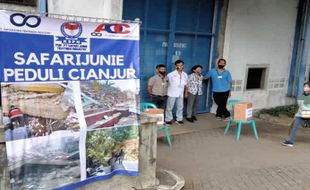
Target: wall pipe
{"points": [[42, 7], [214, 53], [297, 42]]}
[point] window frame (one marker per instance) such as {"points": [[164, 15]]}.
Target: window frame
{"points": [[265, 76]]}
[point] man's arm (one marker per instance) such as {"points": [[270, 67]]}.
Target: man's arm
{"points": [[230, 89], [208, 75], [185, 87], [149, 89], [185, 92], [150, 85], [230, 82]]}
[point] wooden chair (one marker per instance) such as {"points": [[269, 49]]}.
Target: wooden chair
{"points": [[164, 128], [239, 123]]}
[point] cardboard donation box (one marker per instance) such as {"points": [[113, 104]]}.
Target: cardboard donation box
{"points": [[158, 113], [243, 111]]}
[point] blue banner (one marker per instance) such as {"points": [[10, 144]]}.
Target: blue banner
{"points": [[31, 58], [69, 94]]}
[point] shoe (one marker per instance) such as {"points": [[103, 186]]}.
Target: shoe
{"points": [[226, 119], [168, 122], [179, 122], [190, 120], [218, 118], [194, 118], [288, 143]]}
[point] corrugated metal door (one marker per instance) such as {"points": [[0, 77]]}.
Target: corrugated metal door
{"points": [[171, 30]]}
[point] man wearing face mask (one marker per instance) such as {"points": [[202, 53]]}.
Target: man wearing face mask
{"points": [[221, 83], [157, 87], [176, 91], [301, 117]]}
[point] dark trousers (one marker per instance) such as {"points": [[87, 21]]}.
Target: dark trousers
{"points": [[159, 101], [192, 103], [220, 99]]}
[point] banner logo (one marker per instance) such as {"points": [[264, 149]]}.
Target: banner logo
{"points": [[71, 41], [112, 29], [71, 29], [19, 19]]}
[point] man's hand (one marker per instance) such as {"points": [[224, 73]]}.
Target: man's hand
{"points": [[185, 94], [150, 89]]}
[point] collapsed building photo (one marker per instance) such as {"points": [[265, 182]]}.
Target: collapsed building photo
{"points": [[107, 103], [42, 135], [40, 108]]}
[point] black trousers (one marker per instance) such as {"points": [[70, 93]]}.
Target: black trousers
{"points": [[159, 101], [220, 99]]}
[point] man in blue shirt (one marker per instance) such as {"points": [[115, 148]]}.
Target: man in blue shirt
{"points": [[221, 84]]}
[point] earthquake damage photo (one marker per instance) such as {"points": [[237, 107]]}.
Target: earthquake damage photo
{"points": [[42, 134]]}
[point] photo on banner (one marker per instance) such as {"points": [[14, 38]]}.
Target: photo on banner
{"points": [[41, 133], [111, 115]]}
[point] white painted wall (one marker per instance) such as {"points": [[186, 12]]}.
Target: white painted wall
{"points": [[260, 32], [111, 9]]}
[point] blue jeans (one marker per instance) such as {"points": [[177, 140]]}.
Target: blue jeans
{"points": [[297, 123], [169, 106]]}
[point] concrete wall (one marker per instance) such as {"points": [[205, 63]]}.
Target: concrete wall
{"points": [[260, 32], [221, 35], [111, 9], [18, 7]]}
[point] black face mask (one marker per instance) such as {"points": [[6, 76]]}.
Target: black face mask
{"points": [[162, 73], [221, 66]]}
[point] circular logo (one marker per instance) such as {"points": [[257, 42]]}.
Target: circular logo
{"points": [[71, 29], [19, 19]]}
